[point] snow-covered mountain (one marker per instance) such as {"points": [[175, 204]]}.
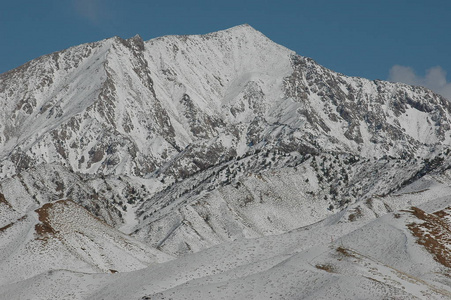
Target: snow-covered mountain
{"points": [[123, 154]]}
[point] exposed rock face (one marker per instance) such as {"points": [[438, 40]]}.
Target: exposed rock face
{"points": [[180, 130]]}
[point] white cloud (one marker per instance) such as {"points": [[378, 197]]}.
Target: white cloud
{"points": [[434, 79]]}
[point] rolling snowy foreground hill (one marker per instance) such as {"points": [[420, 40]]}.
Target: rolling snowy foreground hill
{"points": [[219, 166]]}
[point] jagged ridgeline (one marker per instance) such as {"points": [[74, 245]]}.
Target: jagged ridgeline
{"points": [[185, 142]]}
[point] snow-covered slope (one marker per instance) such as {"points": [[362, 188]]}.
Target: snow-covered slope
{"points": [[369, 258], [64, 235], [179, 144]]}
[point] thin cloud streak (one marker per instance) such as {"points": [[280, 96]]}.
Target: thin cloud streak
{"points": [[434, 79], [89, 9]]}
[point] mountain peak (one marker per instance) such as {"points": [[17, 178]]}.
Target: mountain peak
{"points": [[187, 142], [241, 30], [242, 27]]}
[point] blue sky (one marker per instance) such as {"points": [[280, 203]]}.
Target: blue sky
{"points": [[398, 40]]}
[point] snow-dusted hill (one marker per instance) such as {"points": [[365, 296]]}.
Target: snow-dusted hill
{"points": [[370, 257], [64, 235], [121, 154]]}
